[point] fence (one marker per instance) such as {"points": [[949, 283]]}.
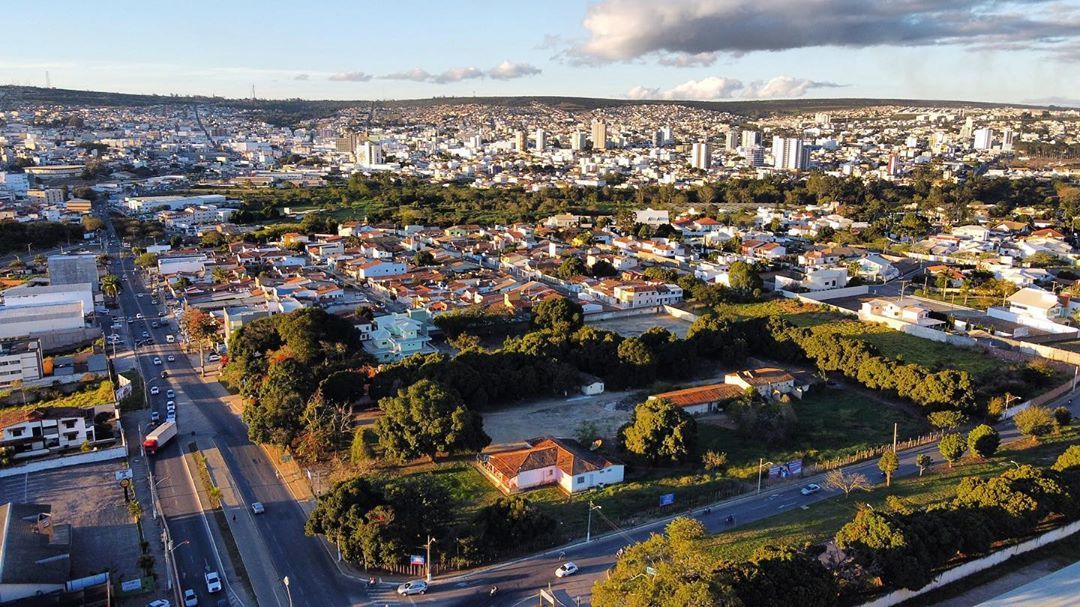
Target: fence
{"points": [[866, 454], [969, 568], [104, 455]]}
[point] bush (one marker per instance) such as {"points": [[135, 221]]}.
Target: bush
{"points": [[983, 441], [952, 447], [1034, 422], [1062, 416]]}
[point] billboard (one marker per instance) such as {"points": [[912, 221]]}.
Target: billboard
{"points": [[786, 470]]}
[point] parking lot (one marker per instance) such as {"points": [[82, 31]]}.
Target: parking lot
{"points": [[90, 499]]}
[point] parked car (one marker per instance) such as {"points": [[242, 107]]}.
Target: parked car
{"points": [[190, 598], [413, 587], [567, 569], [213, 357], [170, 406], [257, 508], [155, 416], [155, 324], [170, 358], [810, 489], [213, 582], [157, 360], [170, 393], [145, 335], [139, 315], [164, 374], [159, 603], [155, 390]]}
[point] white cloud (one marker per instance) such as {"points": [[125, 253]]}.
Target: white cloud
{"points": [[716, 87], [350, 77], [506, 70], [301, 77], [621, 30], [688, 59]]}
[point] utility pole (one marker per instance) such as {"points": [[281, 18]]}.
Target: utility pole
{"points": [[430, 541], [895, 429], [761, 464], [588, 527]]}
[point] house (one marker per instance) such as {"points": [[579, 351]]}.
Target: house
{"points": [[1035, 303], [906, 310], [561, 220], [549, 461], [972, 232], [768, 382], [876, 267], [651, 217], [31, 431], [379, 267], [814, 279], [638, 294], [591, 385], [35, 552], [700, 400], [393, 337]]}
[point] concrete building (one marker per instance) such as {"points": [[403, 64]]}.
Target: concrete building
{"points": [[49, 196], [369, 154], [540, 139], [770, 383], [731, 140], [789, 154], [73, 269], [24, 295], [750, 139], [393, 337], [700, 400], [32, 432], [984, 139], [651, 217], [701, 156], [187, 264], [520, 141], [599, 135], [20, 361], [578, 141], [16, 183], [144, 204], [36, 320], [548, 461]]}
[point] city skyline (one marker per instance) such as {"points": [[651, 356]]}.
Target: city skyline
{"points": [[704, 50]]}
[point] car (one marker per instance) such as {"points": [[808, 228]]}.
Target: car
{"points": [[170, 393], [810, 489], [139, 316], [213, 582], [170, 405], [170, 358], [257, 508], [140, 295], [154, 301], [190, 598], [413, 587], [146, 335], [164, 374], [171, 416], [155, 324], [567, 569], [161, 314], [213, 357], [130, 320], [155, 390], [159, 603], [157, 360], [155, 416], [114, 339]]}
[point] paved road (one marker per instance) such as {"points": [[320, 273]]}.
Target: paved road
{"points": [[276, 539]]}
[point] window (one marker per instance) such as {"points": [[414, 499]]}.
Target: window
{"points": [[16, 431], [581, 480], [69, 423]]}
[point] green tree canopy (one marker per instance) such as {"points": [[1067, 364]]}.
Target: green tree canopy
{"points": [[559, 314], [427, 419], [952, 447], [660, 432], [983, 440]]}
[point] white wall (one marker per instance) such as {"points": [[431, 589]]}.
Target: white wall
{"points": [[104, 455]]}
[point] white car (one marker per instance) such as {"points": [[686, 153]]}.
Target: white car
{"points": [[155, 390], [213, 357], [190, 598], [810, 489], [257, 508], [157, 360], [213, 582], [170, 358], [170, 416], [170, 394], [413, 587], [567, 569], [170, 406], [159, 603]]}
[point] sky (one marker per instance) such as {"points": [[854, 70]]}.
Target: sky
{"points": [[976, 50]]}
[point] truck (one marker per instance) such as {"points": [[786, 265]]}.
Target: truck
{"points": [[159, 437]]}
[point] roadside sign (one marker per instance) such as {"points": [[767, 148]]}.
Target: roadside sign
{"points": [[131, 585], [125, 482], [667, 499], [124, 474], [416, 559]]}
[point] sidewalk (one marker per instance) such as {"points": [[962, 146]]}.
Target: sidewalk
{"points": [[152, 519]]}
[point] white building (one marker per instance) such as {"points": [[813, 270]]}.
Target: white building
{"points": [[29, 432], [380, 267], [20, 361], [40, 319], [550, 461], [24, 295], [144, 204], [181, 264], [701, 156], [651, 217], [789, 154], [369, 154], [984, 139]]}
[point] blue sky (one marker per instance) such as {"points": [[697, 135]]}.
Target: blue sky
{"points": [[983, 50]]}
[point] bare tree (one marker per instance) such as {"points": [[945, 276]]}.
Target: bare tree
{"points": [[838, 479]]}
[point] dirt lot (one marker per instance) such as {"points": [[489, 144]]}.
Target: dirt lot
{"points": [[633, 326], [90, 499], [560, 417]]}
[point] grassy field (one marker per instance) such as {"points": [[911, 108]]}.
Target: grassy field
{"points": [[820, 522], [832, 423], [791, 310]]}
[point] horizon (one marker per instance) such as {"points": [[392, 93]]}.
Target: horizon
{"points": [[695, 50]]}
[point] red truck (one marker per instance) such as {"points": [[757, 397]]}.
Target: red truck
{"points": [[159, 437]]}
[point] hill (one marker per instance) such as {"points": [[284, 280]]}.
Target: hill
{"points": [[285, 111]]}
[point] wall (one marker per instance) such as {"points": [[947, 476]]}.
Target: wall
{"points": [[969, 568], [837, 293], [680, 314], [920, 331], [1043, 324], [52, 341], [104, 455], [814, 302], [623, 313], [1030, 349]]}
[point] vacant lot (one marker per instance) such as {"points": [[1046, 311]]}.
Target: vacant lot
{"points": [[91, 500], [633, 326], [832, 422]]}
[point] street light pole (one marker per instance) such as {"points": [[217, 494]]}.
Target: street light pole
{"points": [[427, 576], [588, 527], [288, 593], [761, 464]]}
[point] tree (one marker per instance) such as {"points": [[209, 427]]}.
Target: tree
{"points": [[714, 461], [92, 224], [361, 450], [881, 543], [838, 479], [212, 239], [146, 260], [111, 285], [1062, 416], [743, 277], [201, 330], [423, 258], [952, 447], [558, 314], [923, 461], [1034, 422], [427, 419], [888, 464], [510, 523], [983, 441], [602, 269], [660, 431], [785, 577], [947, 420], [571, 267], [1069, 460]]}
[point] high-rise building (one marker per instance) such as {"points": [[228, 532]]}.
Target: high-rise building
{"points": [[541, 140], [731, 140], [1008, 139], [755, 156], [577, 141], [668, 135], [893, 166], [822, 119], [984, 139], [750, 139], [789, 154], [519, 141], [368, 153], [967, 129], [599, 135], [701, 156], [658, 139]]}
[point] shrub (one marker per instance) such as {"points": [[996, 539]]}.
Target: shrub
{"points": [[983, 441]]}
